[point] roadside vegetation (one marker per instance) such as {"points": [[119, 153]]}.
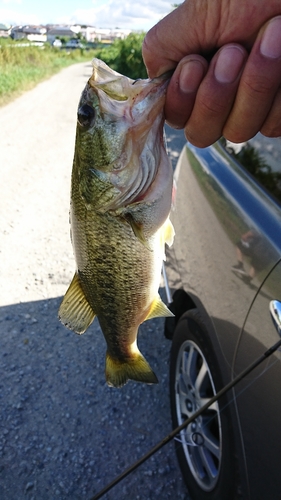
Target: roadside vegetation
{"points": [[23, 66], [125, 56]]}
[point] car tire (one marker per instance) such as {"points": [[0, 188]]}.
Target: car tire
{"points": [[204, 449]]}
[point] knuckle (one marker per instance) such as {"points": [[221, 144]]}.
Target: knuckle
{"points": [[212, 107], [238, 133], [271, 126], [190, 135], [271, 129], [148, 41], [200, 139], [259, 87], [151, 40]]}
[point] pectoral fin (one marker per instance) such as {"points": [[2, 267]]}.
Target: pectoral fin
{"points": [[75, 311], [158, 309], [137, 230], [169, 233]]}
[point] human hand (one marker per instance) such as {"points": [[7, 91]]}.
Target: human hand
{"points": [[238, 93]]}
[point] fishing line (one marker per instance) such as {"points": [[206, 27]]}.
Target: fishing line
{"points": [[178, 429]]}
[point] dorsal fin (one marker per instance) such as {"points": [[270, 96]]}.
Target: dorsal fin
{"points": [[75, 311], [158, 309]]}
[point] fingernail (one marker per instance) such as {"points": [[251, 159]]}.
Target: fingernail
{"points": [[271, 40], [191, 76], [229, 64]]}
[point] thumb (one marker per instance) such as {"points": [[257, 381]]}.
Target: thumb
{"points": [[174, 37], [203, 26]]}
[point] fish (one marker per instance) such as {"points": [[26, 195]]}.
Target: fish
{"points": [[121, 191]]}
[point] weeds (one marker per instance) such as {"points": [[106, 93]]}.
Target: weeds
{"points": [[22, 67]]}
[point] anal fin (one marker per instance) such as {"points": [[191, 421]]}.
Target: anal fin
{"points": [[158, 309], [75, 311]]}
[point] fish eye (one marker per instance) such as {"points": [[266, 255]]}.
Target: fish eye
{"points": [[86, 116]]}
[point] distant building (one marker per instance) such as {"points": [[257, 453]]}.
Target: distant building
{"points": [[120, 33], [51, 32], [5, 30], [93, 34], [55, 31], [31, 33]]}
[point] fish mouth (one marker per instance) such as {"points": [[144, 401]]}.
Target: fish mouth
{"points": [[138, 106], [165, 76], [114, 86], [145, 117]]}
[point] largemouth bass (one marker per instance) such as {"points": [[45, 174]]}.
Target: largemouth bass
{"points": [[121, 193]]}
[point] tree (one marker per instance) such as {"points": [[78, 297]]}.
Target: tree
{"points": [[125, 56]]}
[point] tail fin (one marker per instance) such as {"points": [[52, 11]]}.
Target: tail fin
{"points": [[118, 372]]}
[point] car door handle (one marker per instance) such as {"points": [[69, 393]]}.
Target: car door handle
{"points": [[275, 311]]}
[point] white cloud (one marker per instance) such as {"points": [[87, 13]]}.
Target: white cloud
{"points": [[12, 1], [134, 15], [17, 18], [138, 14]]}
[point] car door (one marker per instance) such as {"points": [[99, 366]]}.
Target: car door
{"points": [[260, 421], [225, 264]]}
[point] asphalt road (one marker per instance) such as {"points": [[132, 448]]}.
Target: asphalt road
{"points": [[63, 433]]}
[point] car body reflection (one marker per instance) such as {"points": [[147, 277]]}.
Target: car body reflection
{"points": [[225, 264]]}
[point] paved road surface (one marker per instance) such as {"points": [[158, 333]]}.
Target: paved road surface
{"points": [[63, 433]]}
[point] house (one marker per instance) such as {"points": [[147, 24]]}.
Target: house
{"points": [[30, 32], [5, 30], [51, 32], [92, 34], [120, 33], [55, 31]]}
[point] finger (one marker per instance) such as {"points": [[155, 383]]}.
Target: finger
{"points": [[199, 27], [258, 86], [272, 125], [166, 43], [215, 96], [182, 89]]}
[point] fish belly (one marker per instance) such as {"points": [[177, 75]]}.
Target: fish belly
{"points": [[120, 279]]}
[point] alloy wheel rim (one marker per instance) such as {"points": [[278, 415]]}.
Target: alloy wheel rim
{"points": [[202, 439]]}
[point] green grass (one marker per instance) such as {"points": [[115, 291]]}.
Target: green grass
{"points": [[21, 68]]}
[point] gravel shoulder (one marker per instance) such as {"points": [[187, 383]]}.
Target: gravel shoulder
{"points": [[63, 433]]}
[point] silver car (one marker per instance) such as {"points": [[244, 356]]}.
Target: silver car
{"points": [[224, 272]]}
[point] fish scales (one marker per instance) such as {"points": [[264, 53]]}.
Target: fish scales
{"points": [[120, 201]]}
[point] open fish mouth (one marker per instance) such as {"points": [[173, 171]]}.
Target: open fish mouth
{"points": [[141, 94], [165, 76], [139, 105]]}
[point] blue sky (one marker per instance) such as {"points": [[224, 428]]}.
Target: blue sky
{"points": [[129, 14]]}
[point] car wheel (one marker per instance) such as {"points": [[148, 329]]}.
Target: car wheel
{"points": [[204, 448]]}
